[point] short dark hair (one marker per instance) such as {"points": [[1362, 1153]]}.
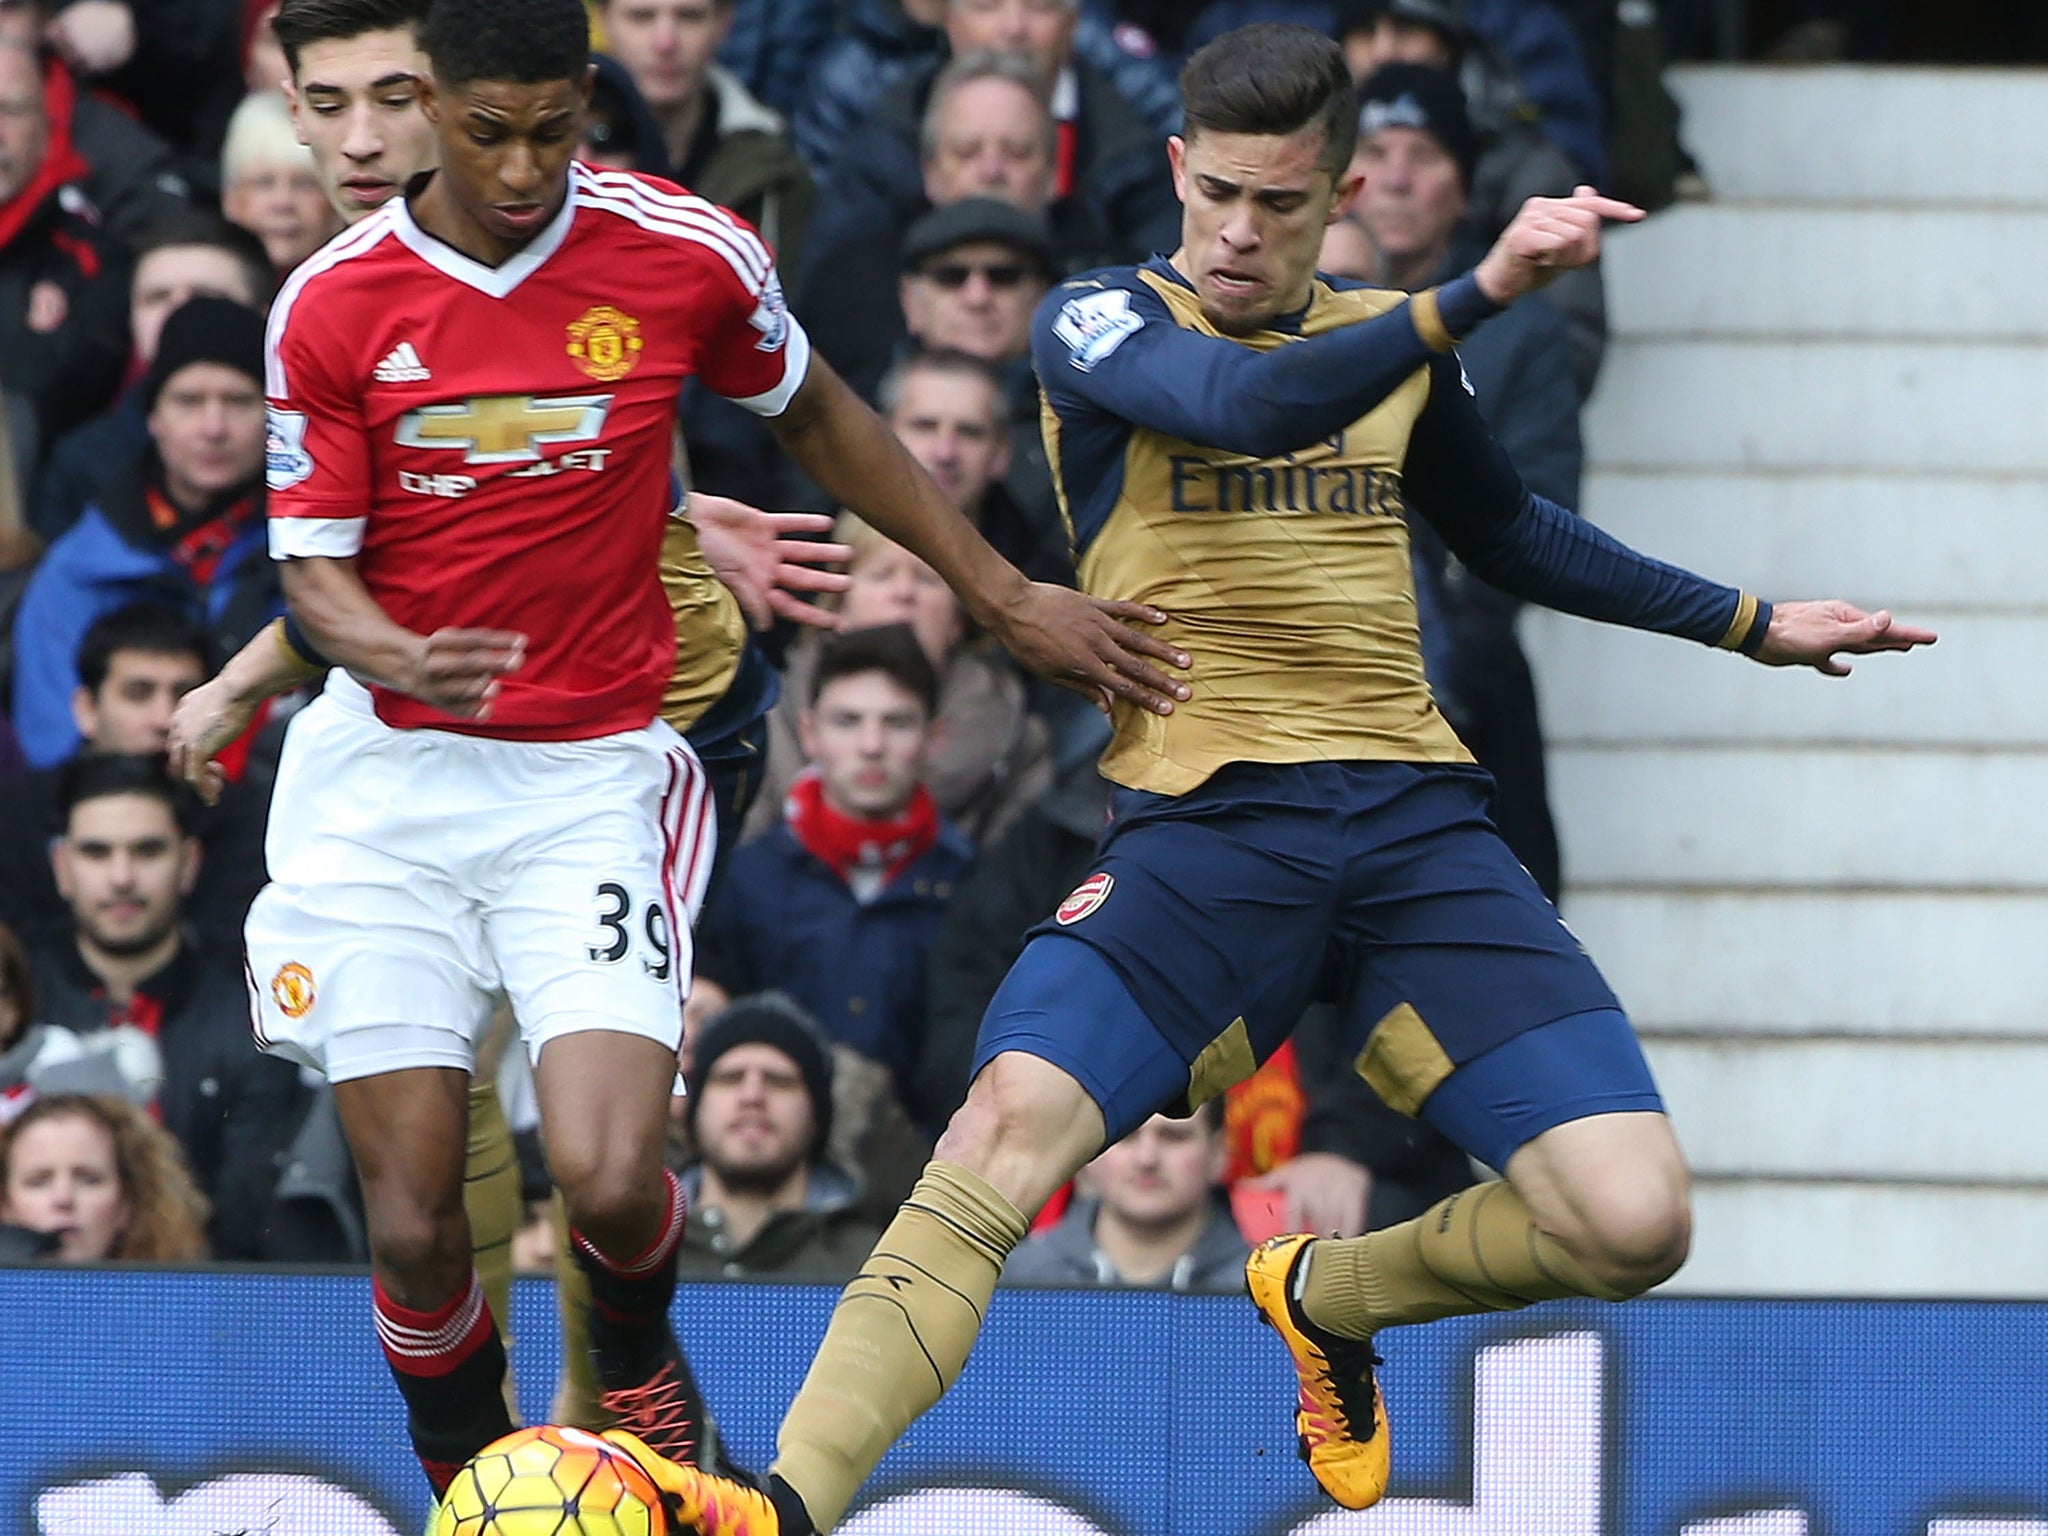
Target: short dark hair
{"points": [[155, 629], [889, 393], [890, 649], [195, 226], [299, 22], [102, 775], [1273, 78], [524, 41]]}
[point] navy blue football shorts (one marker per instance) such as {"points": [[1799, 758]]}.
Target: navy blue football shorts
{"points": [[1212, 920]]}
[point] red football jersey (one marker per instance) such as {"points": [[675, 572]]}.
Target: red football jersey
{"points": [[492, 444]]}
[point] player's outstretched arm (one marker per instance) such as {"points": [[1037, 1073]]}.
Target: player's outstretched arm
{"points": [[455, 670], [1083, 642], [217, 712], [1547, 237], [1819, 634]]}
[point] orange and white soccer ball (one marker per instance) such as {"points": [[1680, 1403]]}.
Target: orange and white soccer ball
{"points": [[551, 1480]]}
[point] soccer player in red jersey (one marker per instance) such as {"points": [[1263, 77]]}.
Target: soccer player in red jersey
{"points": [[472, 401]]}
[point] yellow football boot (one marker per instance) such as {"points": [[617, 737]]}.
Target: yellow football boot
{"points": [[700, 1501], [1342, 1419]]}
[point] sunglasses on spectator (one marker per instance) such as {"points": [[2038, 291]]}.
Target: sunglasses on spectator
{"points": [[1000, 274]]}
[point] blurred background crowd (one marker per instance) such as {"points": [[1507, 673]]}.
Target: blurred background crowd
{"points": [[925, 171]]}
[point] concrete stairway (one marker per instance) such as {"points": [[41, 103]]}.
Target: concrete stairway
{"points": [[1826, 902]]}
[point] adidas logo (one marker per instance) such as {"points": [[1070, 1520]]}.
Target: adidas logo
{"points": [[401, 365]]}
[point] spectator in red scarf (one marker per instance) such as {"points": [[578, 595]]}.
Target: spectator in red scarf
{"points": [[63, 322], [837, 905], [129, 979]]}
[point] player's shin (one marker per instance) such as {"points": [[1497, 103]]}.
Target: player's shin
{"points": [[449, 1364], [899, 1336], [1477, 1251]]}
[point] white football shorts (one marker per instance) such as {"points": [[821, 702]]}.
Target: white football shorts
{"points": [[417, 874]]}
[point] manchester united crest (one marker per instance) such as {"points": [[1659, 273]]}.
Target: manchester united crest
{"points": [[292, 990], [605, 342]]}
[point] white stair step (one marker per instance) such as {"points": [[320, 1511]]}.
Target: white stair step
{"points": [[1802, 817], [1906, 405], [1940, 1111], [1853, 133], [1810, 962], [1976, 687], [1864, 1239], [1895, 540], [1738, 269]]}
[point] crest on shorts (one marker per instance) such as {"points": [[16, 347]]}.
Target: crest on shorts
{"points": [[1087, 896], [605, 342], [292, 990]]}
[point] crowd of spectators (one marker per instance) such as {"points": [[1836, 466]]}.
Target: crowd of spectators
{"points": [[925, 170]]}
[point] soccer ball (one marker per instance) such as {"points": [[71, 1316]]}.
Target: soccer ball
{"points": [[551, 1480]]}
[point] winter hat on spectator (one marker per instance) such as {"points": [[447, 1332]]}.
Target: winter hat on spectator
{"points": [[768, 1018], [973, 220], [206, 329], [1416, 96]]}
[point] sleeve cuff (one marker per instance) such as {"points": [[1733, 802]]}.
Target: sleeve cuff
{"points": [[306, 538], [1746, 630], [1447, 315], [298, 645], [796, 366]]}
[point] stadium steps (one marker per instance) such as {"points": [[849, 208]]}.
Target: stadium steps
{"points": [[1826, 903]]}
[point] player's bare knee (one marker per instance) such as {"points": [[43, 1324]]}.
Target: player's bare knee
{"points": [[1022, 1129], [1633, 1236], [617, 1205], [424, 1254]]}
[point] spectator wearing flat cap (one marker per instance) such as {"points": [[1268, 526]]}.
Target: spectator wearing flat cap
{"points": [[1523, 150], [183, 526], [764, 1197]]}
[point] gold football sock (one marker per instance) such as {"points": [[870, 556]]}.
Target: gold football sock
{"points": [[898, 1338], [576, 1389], [490, 1197], [1478, 1251]]}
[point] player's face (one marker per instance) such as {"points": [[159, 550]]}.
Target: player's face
{"points": [[1041, 30], [991, 139], [866, 736], [62, 1177], [1413, 196], [1161, 1173], [953, 425], [890, 585], [667, 45], [285, 207], [123, 868], [24, 131], [167, 277], [356, 102], [1254, 207], [975, 298], [754, 1119], [208, 430], [505, 152], [131, 712]]}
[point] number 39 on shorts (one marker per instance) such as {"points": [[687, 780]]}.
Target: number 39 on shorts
{"points": [[620, 928]]}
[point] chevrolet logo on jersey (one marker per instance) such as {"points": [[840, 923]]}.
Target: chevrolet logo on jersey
{"points": [[505, 429]]}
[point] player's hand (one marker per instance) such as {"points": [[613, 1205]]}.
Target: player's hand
{"points": [[457, 670], [1547, 236], [1818, 634], [1325, 1194], [754, 554], [1089, 645], [206, 720], [95, 37]]}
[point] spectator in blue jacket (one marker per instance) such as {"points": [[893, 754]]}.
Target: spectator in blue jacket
{"points": [[1417, 155], [183, 526], [837, 905], [1520, 154]]}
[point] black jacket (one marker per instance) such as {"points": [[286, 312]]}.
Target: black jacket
{"points": [[70, 370]]}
